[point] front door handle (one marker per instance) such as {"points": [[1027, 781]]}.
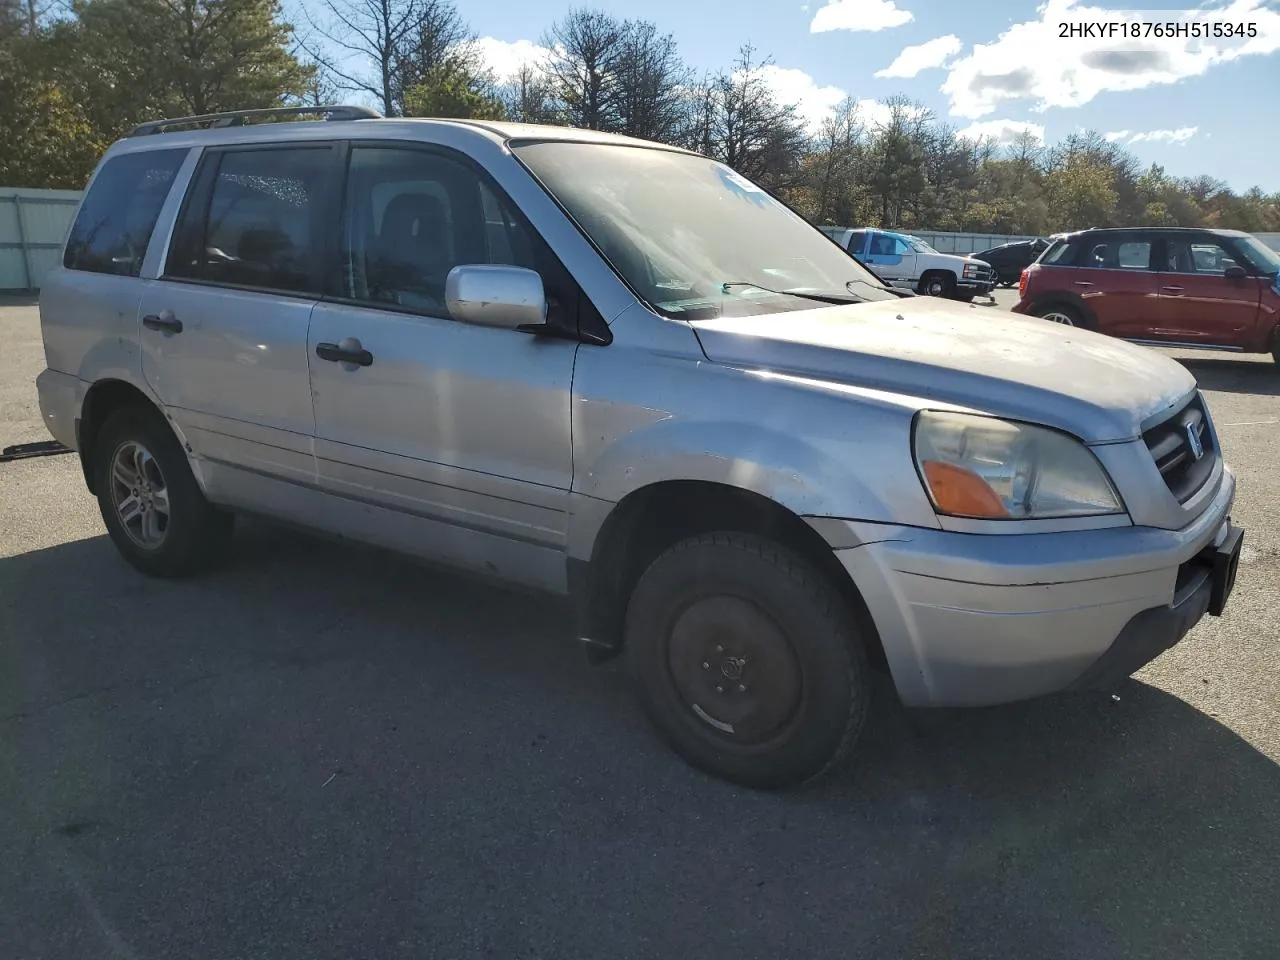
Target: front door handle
{"points": [[1083, 283], [166, 321], [352, 352], [1171, 289]]}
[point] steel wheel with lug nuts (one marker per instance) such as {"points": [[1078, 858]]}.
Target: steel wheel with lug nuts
{"points": [[747, 660], [153, 508], [140, 494], [734, 668]]}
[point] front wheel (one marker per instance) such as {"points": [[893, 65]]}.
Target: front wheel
{"points": [[747, 660], [937, 285]]}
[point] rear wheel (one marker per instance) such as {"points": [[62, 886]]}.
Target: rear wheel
{"points": [[747, 660], [152, 506], [1060, 313]]}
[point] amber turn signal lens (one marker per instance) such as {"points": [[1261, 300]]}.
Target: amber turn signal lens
{"points": [[961, 492]]}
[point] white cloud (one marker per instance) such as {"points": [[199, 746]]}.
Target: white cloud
{"points": [[1031, 62], [868, 15], [506, 58], [922, 56], [874, 113], [814, 103], [1180, 135], [1002, 131]]}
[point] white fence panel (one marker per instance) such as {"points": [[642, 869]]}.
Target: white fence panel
{"points": [[33, 225]]}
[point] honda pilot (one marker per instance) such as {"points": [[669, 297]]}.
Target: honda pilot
{"points": [[624, 374]]}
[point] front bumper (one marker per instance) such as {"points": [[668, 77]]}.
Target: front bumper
{"points": [[976, 287], [972, 620]]}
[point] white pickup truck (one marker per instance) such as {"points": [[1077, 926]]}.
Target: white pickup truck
{"points": [[902, 260]]}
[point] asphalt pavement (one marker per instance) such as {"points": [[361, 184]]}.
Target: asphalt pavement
{"points": [[326, 752]]}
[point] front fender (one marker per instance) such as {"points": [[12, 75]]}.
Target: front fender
{"points": [[784, 468]]}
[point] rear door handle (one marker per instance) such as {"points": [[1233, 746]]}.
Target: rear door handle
{"points": [[166, 321], [1083, 283], [1172, 289], [337, 354]]}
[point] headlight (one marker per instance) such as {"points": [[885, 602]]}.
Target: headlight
{"points": [[971, 270], [993, 469]]}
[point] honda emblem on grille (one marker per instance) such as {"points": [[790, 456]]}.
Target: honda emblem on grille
{"points": [[1193, 440]]}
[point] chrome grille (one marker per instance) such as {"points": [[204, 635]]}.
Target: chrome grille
{"points": [[1174, 445]]}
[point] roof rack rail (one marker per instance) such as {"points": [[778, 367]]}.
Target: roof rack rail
{"points": [[237, 118]]}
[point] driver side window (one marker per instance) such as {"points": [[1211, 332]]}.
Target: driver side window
{"points": [[411, 216]]}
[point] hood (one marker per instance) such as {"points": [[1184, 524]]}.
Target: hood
{"points": [[957, 258], [1096, 387]]}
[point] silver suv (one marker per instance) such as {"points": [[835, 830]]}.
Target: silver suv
{"points": [[623, 373]]}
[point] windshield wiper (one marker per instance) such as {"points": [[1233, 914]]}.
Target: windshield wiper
{"points": [[896, 291], [804, 295]]}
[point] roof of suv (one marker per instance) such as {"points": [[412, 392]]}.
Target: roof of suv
{"points": [[1106, 230], [341, 126]]}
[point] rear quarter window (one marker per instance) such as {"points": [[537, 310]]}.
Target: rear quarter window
{"points": [[118, 215], [1060, 253]]}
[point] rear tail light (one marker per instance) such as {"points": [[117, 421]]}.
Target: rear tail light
{"points": [[1022, 283]]}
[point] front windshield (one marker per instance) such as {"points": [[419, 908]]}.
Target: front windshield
{"points": [[919, 246], [1262, 256], [691, 236]]}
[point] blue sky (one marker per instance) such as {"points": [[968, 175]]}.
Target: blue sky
{"points": [[1195, 106]]}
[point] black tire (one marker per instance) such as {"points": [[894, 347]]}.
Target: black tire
{"points": [[937, 285], [1070, 316], [194, 534], [810, 663]]}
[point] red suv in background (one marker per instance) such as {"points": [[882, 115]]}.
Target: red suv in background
{"points": [[1161, 286]]}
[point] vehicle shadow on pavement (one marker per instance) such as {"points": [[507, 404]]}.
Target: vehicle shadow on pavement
{"points": [[326, 745], [1251, 376]]}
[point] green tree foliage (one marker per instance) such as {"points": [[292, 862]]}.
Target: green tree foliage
{"points": [[132, 60], [447, 91], [70, 87]]}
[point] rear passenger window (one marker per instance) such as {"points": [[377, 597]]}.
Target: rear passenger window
{"points": [[259, 224], [1120, 255], [119, 213], [856, 240], [412, 216]]}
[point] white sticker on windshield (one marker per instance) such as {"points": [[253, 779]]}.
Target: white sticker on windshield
{"points": [[735, 179]]}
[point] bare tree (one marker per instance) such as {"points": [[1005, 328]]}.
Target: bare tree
{"points": [[380, 33], [749, 129], [650, 84], [585, 49], [529, 97], [836, 166]]}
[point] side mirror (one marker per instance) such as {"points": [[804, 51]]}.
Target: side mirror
{"points": [[495, 295], [1235, 272]]}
